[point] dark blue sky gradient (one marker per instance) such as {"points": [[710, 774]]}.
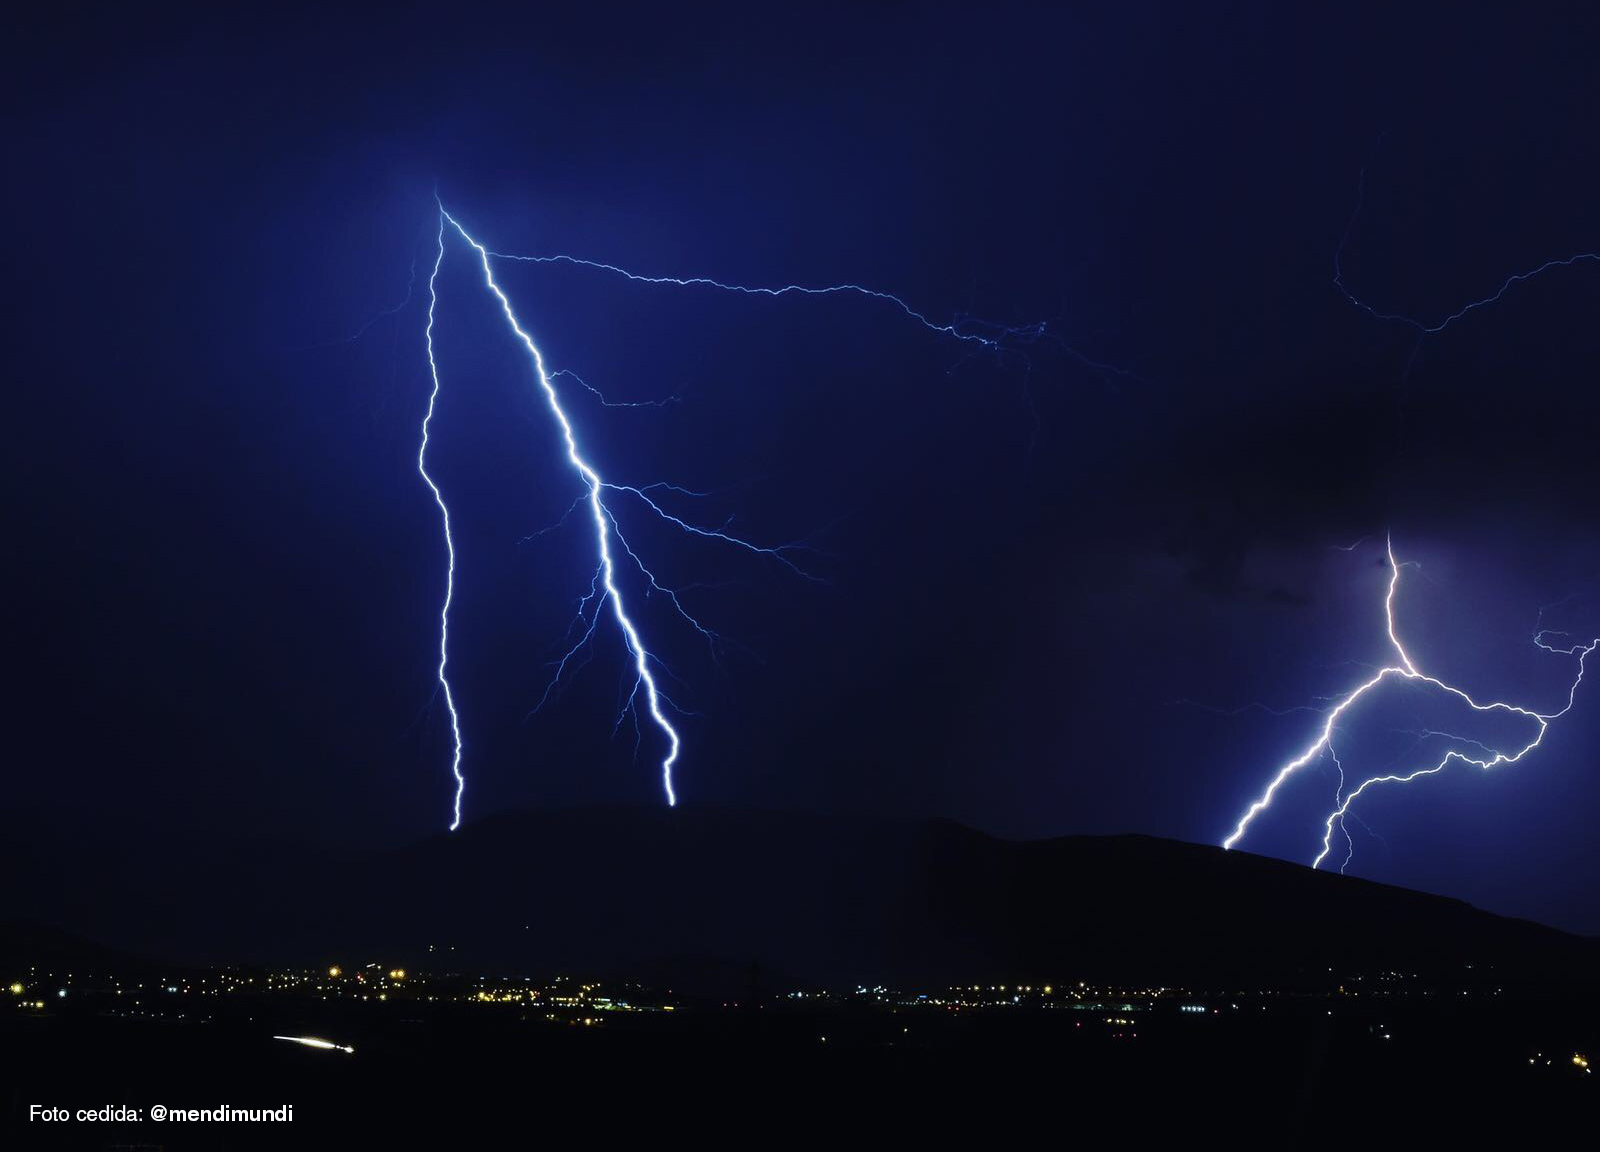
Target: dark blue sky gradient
{"points": [[228, 572]]}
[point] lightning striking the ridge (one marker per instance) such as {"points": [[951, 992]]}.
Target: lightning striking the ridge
{"points": [[1406, 669], [449, 541], [985, 334], [604, 589]]}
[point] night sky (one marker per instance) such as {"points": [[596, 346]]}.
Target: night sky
{"points": [[1046, 586]]}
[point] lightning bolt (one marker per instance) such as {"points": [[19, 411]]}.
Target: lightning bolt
{"points": [[1405, 668], [605, 591], [1424, 327], [449, 541], [986, 334]]}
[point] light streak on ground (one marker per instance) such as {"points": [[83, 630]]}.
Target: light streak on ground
{"points": [[1407, 670], [313, 1042]]}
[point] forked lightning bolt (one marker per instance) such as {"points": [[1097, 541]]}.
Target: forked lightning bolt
{"points": [[605, 588], [1406, 669]]}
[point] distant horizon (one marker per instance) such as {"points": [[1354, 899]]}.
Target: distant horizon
{"points": [[252, 849]]}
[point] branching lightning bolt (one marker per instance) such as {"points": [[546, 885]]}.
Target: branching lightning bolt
{"points": [[605, 590], [986, 334], [1406, 669], [1423, 327]]}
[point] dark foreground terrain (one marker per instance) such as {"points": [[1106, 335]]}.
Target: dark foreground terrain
{"points": [[772, 979], [1306, 1072], [622, 891]]}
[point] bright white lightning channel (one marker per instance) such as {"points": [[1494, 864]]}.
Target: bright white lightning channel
{"points": [[984, 335], [449, 543], [1406, 669], [603, 525]]}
